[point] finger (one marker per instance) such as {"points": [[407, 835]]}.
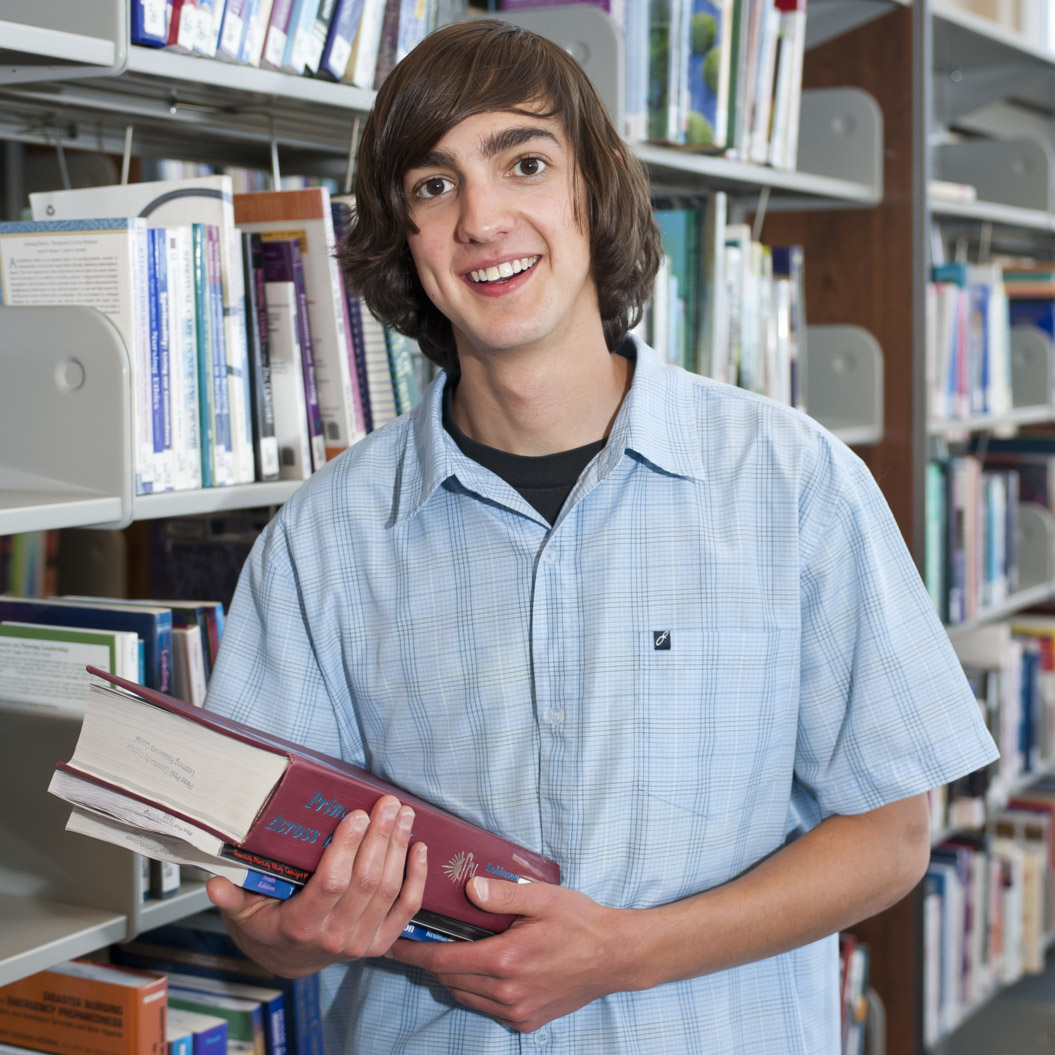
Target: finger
{"points": [[377, 878], [408, 903], [329, 882]]}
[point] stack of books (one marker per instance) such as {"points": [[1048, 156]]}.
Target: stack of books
{"points": [[175, 783]]}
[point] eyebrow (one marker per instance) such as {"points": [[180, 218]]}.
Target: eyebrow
{"points": [[494, 144]]}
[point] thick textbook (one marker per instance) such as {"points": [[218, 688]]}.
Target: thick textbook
{"points": [[85, 1008], [276, 798]]}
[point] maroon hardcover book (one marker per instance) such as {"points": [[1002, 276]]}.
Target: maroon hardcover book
{"points": [[298, 811]]}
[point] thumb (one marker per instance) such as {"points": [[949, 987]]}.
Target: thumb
{"points": [[504, 897]]}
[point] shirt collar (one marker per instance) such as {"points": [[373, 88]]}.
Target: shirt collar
{"points": [[654, 423]]}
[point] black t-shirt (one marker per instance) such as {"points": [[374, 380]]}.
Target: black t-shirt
{"points": [[545, 481]]}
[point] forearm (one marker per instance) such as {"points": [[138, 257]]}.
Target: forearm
{"points": [[844, 870]]}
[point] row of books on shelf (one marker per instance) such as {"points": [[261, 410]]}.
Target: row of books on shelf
{"points": [[988, 908], [717, 75], [46, 643], [971, 311], [1011, 669], [350, 41], [182, 989], [725, 305], [251, 360]]}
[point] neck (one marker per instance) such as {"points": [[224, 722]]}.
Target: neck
{"points": [[542, 404]]}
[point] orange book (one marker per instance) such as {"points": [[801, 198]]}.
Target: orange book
{"points": [[86, 1008]]}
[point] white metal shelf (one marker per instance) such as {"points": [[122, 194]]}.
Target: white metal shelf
{"points": [[1020, 416], [1017, 602], [36, 45], [996, 213]]}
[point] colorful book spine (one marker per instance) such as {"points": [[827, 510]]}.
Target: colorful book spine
{"points": [[275, 38], [265, 443], [223, 439], [311, 390], [338, 48], [207, 436], [82, 1008], [149, 23]]}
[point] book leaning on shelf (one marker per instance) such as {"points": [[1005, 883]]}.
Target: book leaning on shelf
{"points": [[262, 797], [85, 1008]]}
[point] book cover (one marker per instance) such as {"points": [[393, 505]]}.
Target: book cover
{"points": [[152, 625], [208, 1032], [306, 215], [97, 263], [275, 797], [288, 327], [338, 48], [299, 36], [265, 443], [43, 665], [201, 199], [188, 666], [710, 57], [85, 1008]]}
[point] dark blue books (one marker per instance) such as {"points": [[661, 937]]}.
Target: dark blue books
{"points": [[149, 23], [152, 624]]}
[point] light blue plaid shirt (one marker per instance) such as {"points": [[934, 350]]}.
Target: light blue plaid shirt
{"points": [[721, 641]]}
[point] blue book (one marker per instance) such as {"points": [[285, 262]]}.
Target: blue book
{"points": [[153, 625], [298, 35], [208, 1033], [418, 932], [338, 48], [161, 377], [1033, 311], [150, 22], [203, 339], [178, 1041], [709, 59], [200, 944], [246, 1024]]}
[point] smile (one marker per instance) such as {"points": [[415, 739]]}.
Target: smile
{"points": [[506, 270]]}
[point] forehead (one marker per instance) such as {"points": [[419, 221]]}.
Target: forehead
{"points": [[490, 133]]}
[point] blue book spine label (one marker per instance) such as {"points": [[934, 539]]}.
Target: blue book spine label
{"points": [[211, 1041], [416, 932], [272, 885]]}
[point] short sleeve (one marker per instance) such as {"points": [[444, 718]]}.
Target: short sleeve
{"points": [[267, 673], [885, 708]]}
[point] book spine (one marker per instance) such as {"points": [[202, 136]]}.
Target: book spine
{"points": [[164, 448], [320, 31], [389, 42], [206, 391], [149, 23], [355, 327], [275, 38], [232, 31], [217, 338], [363, 61], [191, 411], [339, 40], [257, 21], [183, 25], [311, 390], [265, 445]]}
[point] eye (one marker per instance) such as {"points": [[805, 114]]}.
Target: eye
{"points": [[529, 166], [433, 187]]}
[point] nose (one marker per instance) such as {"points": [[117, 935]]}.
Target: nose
{"points": [[484, 212]]}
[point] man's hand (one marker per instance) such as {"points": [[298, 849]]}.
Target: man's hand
{"points": [[356, 903], [562, 952]]}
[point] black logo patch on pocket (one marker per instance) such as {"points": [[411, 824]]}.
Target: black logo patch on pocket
{"points": [[661, 640]]}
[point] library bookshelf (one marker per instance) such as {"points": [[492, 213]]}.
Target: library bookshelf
{"points": [[856, 201]]}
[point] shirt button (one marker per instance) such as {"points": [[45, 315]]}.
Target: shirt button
{"points": [[542, 1037], [549, 556], [555, 716]]}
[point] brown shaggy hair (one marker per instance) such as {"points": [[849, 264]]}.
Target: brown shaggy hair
{"points": [[486, 66]]}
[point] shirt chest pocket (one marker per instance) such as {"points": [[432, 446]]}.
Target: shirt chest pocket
{"points": [[715, 715]]}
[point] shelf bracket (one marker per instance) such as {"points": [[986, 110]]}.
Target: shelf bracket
{"points": [[844, 382], [1007, 171], [841, 135]]}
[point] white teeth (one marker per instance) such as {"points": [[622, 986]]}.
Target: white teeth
{"points": [[504, 270]]}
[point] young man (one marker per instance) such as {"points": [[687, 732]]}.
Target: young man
{"points": [[659, 629]]}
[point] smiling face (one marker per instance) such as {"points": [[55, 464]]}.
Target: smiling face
{"points": [[498, 248]]}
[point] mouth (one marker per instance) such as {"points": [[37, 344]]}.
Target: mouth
{"points": [[503, 272]]}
